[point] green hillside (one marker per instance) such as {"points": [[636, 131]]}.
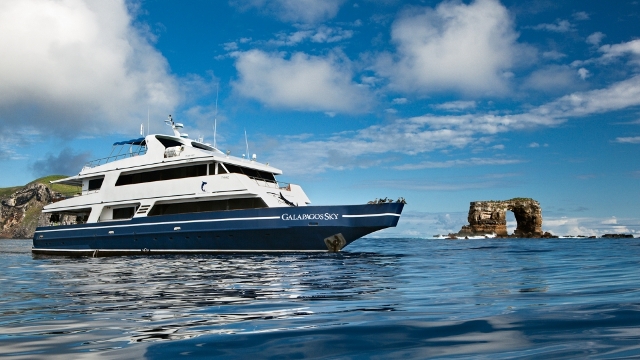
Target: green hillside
{"points": [[64, 189]]}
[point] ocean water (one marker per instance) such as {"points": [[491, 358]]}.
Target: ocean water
{"points": [[379, 298]]}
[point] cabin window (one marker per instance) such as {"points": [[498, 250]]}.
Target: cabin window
{"points": [[69, 217], [95, 184], [252, 173], [207, 206], [123, 213], [164, 174], [167, 143], [198, 145]]}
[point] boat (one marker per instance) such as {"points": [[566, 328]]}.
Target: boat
{"points": [[170, 194]]}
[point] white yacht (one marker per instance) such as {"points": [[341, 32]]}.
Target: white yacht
{"points": [[172, 194]]}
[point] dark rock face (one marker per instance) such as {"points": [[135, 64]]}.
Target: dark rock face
{"points": [[489, 217], [21, 212]]}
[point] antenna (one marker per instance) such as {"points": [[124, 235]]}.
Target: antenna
{"points": [[246, 142], [141, 129], [215, 119]]}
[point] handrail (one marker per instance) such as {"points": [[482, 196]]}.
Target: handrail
{"points": [[108, 159]]}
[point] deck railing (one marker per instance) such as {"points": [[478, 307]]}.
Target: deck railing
{"points": [[97, 162]]}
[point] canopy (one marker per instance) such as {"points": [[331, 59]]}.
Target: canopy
{"points": [[132, 142]]}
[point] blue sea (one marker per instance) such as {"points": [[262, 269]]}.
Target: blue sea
{"points": [[379, 298]]}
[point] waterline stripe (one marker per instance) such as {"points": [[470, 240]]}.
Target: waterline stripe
{"points": [[148, 251], [371, 215]]}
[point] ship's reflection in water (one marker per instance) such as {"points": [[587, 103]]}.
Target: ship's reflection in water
{"points": [[178, 297]]}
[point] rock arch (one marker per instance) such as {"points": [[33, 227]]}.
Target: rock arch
{"points": [[489, 217]]}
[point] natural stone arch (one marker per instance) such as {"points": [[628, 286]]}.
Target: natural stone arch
{"points": [[489, 217]]}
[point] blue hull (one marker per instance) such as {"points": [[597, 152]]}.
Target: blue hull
{"points": [[285, 229]]}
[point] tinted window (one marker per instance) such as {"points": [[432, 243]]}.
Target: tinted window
{"points": [[206, 206], [168, 142], [95, 184], [252, 173], [123, 213], [165, 174]]}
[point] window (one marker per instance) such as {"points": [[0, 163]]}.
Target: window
{"points": [[252, 173], [198, 145], [206, 206], [164, 174], [123, 213], [95, 184], [69, 217], [167, 142]]}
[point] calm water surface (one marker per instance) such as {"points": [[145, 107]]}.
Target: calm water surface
{"points": [[380, 298]]}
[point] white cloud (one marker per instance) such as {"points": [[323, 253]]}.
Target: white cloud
{"points": [[629, 140], [460, 47], [611, 52], [554, 79], [584, 73], [611, 221], [617, 96], [302, 82], [553, 55], [400, 101], [559, 26], [323, 34], [326, 34], [595, 38], [457, 163], [80, 64], [422, 134], [534, 145], [456, 105], [580, 15], [305, 11]]}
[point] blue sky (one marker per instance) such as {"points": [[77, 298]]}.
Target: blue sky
{"points": [[440, 102]]}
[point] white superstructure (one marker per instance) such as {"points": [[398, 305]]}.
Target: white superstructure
{"points": [[163, 174]]}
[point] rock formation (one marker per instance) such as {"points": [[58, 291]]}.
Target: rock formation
{"points": [[21, 212], [489, 217]]}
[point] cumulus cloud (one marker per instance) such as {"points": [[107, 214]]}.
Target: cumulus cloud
{"points": [[305, 11], [301, 82], [67, 162], [80, 65], [459, 47]]}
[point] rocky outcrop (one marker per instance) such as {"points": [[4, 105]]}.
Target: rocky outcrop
{"points": [[20, 212], [489, 217]]}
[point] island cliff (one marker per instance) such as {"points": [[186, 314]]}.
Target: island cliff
{"points": [[20, 212], [489, 217]]}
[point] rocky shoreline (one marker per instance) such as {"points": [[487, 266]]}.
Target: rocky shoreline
{"points": [[20, 212]]}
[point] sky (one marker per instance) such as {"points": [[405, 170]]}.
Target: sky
{"points": [[439, 102]]}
